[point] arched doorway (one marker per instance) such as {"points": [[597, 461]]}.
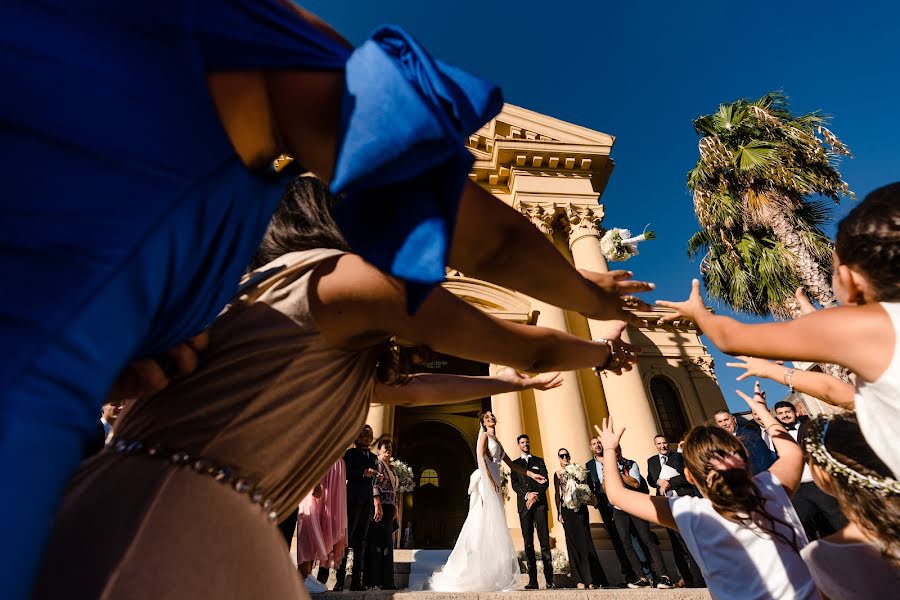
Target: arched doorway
{"points": [[442, 460], [673, 424]]}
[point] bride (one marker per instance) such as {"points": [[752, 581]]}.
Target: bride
{"points": [[484, 559]]}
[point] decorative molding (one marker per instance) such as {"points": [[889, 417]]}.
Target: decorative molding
{"points": [[583, 221], [541, 215], [700, 364]]}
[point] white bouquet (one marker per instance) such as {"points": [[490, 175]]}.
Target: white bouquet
{"points": [[406, 481], [504, 482], [618, 244], [576, 492]]}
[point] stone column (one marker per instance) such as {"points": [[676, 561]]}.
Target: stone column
{"points": [[562, 415], [626, 397], [508, 409]]}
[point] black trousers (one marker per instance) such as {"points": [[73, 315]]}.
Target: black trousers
{"points": [[583, 559], [819, 513], [379, 570], [686, 564], [623, 520], [609, 522], [288, 527], [360, 510], [536, 518]]}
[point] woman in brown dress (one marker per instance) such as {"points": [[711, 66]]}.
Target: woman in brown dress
{"points": [[183, 500]]}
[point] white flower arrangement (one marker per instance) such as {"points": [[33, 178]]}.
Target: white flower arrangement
{"points": [[576, 492], [559, 558], [618, 244], [504, 482], [406, 481]]}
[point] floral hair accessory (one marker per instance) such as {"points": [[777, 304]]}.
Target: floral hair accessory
{"points": [[814, 445]]}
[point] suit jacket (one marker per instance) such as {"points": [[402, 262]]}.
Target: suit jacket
{"points": [[678, 484], [595, 486], [761, 458], [359, 487], [522, 484]]}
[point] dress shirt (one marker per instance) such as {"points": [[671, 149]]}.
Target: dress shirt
{"points": [[526, 457], [806, 476], [634, 471]]}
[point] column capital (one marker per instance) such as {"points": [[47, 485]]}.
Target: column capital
{"points": [[540, 214], [583, 220]]}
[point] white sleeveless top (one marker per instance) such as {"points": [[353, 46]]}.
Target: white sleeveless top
{"points": [[878, 402]]}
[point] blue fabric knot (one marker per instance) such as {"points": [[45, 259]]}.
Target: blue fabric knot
{"points": [[400, 194]]}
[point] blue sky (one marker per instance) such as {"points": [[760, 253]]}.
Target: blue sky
{"points": [[643, 71]]}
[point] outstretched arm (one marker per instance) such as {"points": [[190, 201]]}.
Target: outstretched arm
{"points": [[818, 385], [856, 337], [428, 389], [353, 302], [643, 506]]}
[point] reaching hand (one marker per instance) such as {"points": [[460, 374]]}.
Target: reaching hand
{"points": [[542, 381], [689, 309], [757, 404], [614, 302], [756, 367], [806, 306], [317, 491], [624, 355], [609, 437]]}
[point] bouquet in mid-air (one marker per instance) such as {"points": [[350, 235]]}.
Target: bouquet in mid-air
{"points": [[619, 245]]}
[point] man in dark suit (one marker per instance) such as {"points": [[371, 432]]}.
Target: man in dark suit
{"points": [[532, 502], [595, 477], [761, 458], [674, 485], [362, 470]]}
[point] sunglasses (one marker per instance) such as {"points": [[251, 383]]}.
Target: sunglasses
{"points": [[565, 456]]}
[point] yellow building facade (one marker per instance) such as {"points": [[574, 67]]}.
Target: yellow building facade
{"points": [[554, 173]]}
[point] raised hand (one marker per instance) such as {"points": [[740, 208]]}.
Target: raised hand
{"points": [[608, 434], [542, 381], [623, 355], [689, 309], [757, 367], [757, 403], [615, 300], [147, 376]]}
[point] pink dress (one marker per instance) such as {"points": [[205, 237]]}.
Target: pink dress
{"points": [[322, 523]]}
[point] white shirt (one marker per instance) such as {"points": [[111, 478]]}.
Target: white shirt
{"points": [[878, 403], [744, 563], [806, 477], [634, 471], [525, 457], [851, 571]]}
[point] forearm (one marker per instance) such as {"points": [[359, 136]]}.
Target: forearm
{"points": [[818, 385], [431, 389], [488, 244]]}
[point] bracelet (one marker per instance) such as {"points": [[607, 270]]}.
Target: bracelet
{"points": [[609, 359], [789, 379], [775, 425], [500, 370]]}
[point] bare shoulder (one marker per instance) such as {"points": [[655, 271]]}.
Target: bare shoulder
{"points": [[347, 295]]}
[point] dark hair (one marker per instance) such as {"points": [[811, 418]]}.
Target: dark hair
{"points": [[722, 412], [868, 239], [784, 404], [518, 439], [481, 418], [732, 491], [876, 514], [302, 221], [561, 449], [384, 442], [660, 435]]}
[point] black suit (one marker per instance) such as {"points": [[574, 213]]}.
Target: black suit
{"points": [[534, 517], [360, 511], [606, 513], [686, 564]]}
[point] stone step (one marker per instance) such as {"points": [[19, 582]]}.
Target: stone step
{"points": [[568, 594]]}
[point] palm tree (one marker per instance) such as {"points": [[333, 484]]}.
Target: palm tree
{"points": [[763, 187]]}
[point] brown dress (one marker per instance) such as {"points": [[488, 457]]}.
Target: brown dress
{"points": [[270, 409]]}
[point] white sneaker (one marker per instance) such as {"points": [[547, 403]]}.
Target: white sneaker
{"points": [[313, 585]]}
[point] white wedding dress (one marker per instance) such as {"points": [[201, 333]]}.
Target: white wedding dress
{"points": [[484, 559]]}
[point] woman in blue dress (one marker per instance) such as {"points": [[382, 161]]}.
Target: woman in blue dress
{"points": [[137, 140]]}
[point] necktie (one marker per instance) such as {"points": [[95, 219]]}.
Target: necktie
{"points": [[663, 459]]}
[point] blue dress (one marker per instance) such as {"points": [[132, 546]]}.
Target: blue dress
{"points": [[127, 218]]}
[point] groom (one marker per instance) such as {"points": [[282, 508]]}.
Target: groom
{"points": [[532, 503]]}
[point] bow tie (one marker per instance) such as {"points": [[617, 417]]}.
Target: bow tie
{"points": [[791, 427]]}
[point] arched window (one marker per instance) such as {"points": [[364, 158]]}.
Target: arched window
{"points": [[668, 408], [429, 477]]}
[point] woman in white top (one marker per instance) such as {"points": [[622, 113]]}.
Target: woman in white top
{"points": [[743, 532], [862, 560], [861, 335]]}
